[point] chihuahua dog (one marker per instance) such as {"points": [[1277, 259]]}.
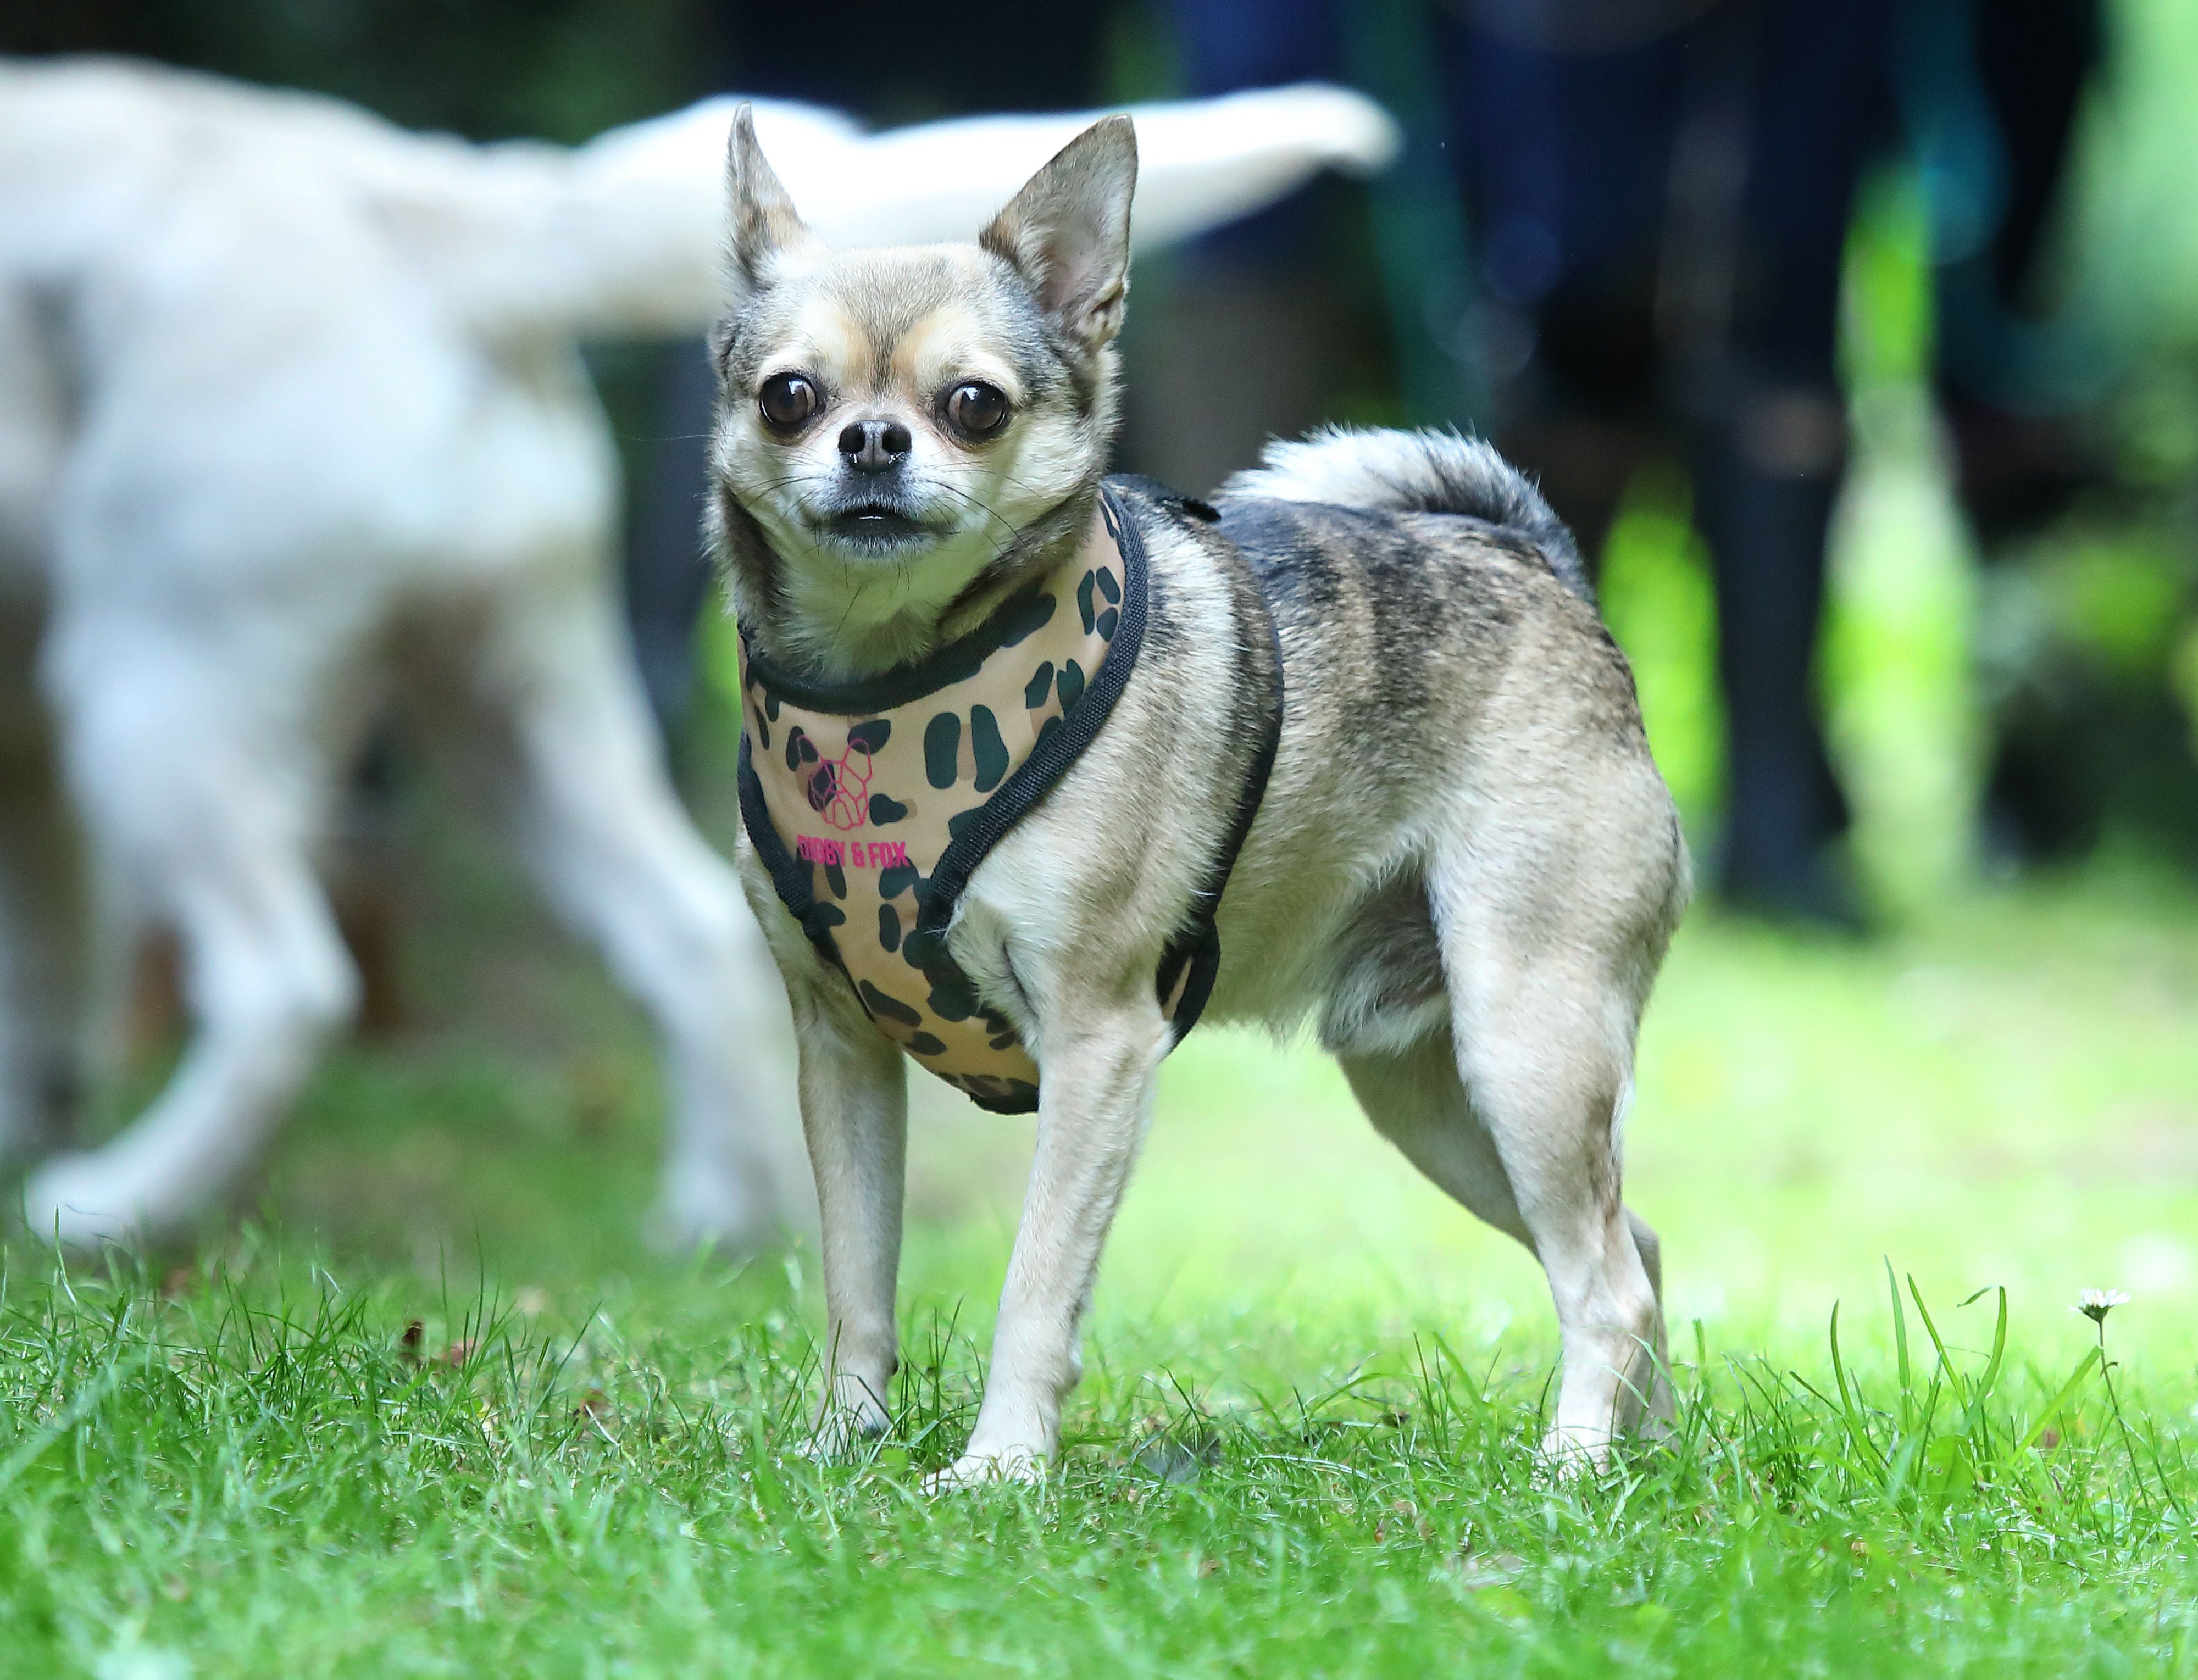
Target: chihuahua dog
{"points": [[1373, 677]]}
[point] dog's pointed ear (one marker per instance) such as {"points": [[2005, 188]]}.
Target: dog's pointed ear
{"points": [[1068, 231], [766, 226]]}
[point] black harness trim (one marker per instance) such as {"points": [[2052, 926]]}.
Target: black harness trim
{"points": [[1200, 943]]}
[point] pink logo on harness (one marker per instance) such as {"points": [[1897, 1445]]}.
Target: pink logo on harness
{"points": [[838, 790], [852, 854]]}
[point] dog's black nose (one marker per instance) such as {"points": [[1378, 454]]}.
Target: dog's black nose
{"points": [[876, 445]]}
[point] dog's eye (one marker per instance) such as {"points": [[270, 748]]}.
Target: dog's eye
{"points": [[977, 409], [788, 402]]}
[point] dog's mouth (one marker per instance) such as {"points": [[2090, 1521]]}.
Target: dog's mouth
{"points": [[873, 525]]}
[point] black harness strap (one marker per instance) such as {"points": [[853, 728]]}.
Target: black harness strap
{"points": [[1199, 945]]}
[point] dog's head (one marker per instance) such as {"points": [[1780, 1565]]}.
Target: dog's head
{"points": [[900, 426]]}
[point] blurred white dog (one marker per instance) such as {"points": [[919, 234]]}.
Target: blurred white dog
{"points": [[291, 421]]}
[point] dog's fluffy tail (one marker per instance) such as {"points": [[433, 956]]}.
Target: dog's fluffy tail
{"points": [[1415, 473], [624, 236]]}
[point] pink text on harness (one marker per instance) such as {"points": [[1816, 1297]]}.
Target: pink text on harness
{"points": [[852, 854]]}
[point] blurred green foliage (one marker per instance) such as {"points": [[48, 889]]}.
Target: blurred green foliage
{"points": [[1885, 323], [2136, 241]]}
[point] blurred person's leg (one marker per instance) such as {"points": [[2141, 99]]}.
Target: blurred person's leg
{"points": [[1992, 92], [1767, 476], [1771, 442], [1568, 153], [1584, 413], [1666, 217], [2036, 57]]}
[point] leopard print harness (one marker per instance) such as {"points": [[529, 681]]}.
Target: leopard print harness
{"points": [[871, 803]]}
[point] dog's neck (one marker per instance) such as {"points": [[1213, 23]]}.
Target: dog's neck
{"points": [[835, 619]]}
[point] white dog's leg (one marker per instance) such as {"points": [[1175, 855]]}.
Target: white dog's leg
{"points": [[1093, 1105], [44, 942], [208, 814], [598, 823], [1543, 1028]]}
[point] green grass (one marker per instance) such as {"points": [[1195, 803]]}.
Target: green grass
{"points": [[1305, 1442], [257, 1475]]}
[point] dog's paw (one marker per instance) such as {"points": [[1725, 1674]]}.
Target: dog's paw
{"points": [[74, 1200], [974, 1469]]}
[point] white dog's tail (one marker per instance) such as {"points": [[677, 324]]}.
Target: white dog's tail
{"points": [[624, 236], [1415, 472]]}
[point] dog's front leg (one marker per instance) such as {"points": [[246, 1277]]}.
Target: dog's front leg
{"points": [[1094, 1101], [854, 1114]]}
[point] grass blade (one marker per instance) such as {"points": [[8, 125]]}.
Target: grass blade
{"points": [[1850, 1407], [1900, 1335], [1972, 1417], [1946, 1362], [2053, 1406]]}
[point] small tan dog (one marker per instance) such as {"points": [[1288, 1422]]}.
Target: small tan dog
{"points": [[1374, 681]]}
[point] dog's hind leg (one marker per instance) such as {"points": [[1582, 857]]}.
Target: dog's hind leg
{"points": [[1546, 976], [595, 816], [207, 806], [45, 939], [1416, 1100]]}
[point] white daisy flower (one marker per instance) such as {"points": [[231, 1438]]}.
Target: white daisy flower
{"points": [[2096, 1303]]}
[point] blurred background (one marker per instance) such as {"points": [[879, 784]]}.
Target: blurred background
{"points": [[1859, 343]]}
